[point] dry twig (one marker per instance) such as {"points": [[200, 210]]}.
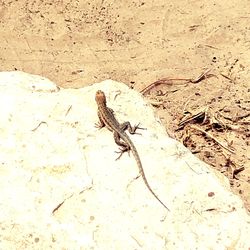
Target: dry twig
{"points": [[213, 138], [169, 81]]}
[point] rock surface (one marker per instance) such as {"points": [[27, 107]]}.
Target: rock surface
{"points": [[61, 187]]}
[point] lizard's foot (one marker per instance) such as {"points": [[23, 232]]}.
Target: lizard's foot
{"points": [[122, 150], [98, 125], [133, 130]]}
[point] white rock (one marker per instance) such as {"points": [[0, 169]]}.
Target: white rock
{"points": [[54, 159]]}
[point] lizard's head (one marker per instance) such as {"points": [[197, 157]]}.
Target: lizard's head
{"points": [[100, 97]]}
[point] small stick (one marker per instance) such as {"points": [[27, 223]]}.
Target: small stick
{"points": [[34, 129], [169, 81], [70, 107], [200, 77], [212, 137]]}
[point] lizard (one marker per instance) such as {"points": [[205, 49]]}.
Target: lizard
{"points": [[107, 118]]}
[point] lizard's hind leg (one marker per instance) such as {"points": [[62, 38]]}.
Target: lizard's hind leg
{"points": [[124, 147]]}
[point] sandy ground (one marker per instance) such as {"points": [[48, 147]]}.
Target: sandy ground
{"points": [[75, 43]]}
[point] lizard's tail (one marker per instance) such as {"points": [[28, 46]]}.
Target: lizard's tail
{"points": [[138, 161]]}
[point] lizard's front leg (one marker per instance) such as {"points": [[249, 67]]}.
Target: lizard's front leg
{"points": [[101, 123], [132, 130]]}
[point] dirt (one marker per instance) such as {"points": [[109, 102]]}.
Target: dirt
{"points": [[75, 43]]}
